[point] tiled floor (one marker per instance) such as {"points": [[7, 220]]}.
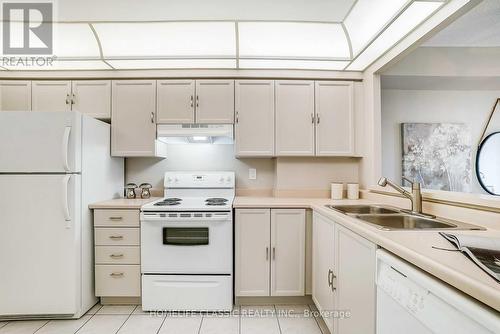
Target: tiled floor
{"points": [[272, 319]]}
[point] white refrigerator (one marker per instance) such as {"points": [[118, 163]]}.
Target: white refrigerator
{"points": [[52, 166]]}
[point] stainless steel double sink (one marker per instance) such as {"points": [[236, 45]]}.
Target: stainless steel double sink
{"points": [[390, 218]]}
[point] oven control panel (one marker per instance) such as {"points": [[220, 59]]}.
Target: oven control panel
{"points": [[199, 180]]}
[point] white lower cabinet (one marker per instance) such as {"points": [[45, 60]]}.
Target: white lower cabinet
{"points": [[343, 278], [270, 252]]}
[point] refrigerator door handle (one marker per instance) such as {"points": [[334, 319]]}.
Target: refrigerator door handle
{"points": [[67, 216], [67, 133]]}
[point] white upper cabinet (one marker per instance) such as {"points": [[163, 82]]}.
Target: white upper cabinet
{"points": [[175, 101], [252, 252], [288, 252], [355, 272], [15, 95], [295, 118], [51, 95], [254, 118], [214, 101], [92, 97], [334, 118], [133, 127]]}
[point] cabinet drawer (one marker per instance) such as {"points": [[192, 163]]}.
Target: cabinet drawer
{"points": [[118, 280], [117, 255], [116, 218], [117, 236]]}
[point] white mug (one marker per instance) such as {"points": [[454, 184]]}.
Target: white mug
{"points": [[353, 191], [337, 190]]}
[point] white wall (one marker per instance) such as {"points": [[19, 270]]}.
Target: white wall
{"points": [[311, 175], [456, 106]]}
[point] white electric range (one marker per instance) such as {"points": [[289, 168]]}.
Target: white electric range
{"points": [[187, 244]]}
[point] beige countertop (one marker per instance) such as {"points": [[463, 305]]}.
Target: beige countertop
{"points": [[415, 247], [122, 203]]}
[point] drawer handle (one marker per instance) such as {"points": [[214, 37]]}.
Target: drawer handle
{"points": [[116, 237], [116, 274], [116, 256], [115, 218]]}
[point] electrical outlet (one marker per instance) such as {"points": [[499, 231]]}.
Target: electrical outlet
{"points": [[252, 174]]}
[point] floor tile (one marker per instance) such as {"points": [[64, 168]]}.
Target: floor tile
{"points": [[103, 324], [292, 310], [117, 309], [138, 311], [251, 325], [143, 324], [178, 325], [298, 325], [3, 323], [94, 309], [22, 327], [220, 325], [257, 311], [64, 326]]}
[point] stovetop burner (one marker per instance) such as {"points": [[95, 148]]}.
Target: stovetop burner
{"points": [[169, 202], [216, 201]]}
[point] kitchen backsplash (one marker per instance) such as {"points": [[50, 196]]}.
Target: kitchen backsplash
{"points": [[282, 174]]}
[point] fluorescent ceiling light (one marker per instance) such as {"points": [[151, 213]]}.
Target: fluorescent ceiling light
{"points": [[167, 39], [64, 65], [75, 40], [367, 18], [292, 64], [414, 15], [287, 39], [123, 64]]}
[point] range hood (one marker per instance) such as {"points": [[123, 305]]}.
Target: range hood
{"points": [[195, 133]]}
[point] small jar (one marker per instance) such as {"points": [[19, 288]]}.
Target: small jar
{"points": [[130, 190], [145, 190]]}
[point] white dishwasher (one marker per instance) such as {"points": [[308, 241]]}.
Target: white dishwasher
{"points": [[411, 301]]}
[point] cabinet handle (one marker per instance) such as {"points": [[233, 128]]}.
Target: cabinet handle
{"points": [[115, 218], [237, 117], [274, 253], [317, 118], [116, 256], [116, 237], [192, 101], [334, 278], [67, 98], [330, 278], [197, 101], [267, 253], [116, 274], [152, 117], [73, 99], [312, 118]]}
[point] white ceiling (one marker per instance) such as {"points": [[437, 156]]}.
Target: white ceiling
{"points": [[480, 27], [150, 10]]}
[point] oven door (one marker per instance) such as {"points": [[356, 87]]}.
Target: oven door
{"points": [[186, 243]]}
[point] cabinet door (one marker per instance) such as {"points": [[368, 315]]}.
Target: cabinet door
{"points": [[254, 124], [355, 283], [15, 95], [133, 128], [252, 253], [288, 228], [322, 267], [334, 118], [51, 95], [294, 118], [92, 97], [215, 101], [175, 101]]}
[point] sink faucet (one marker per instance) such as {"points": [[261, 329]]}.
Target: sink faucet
{"points": [[415, 196]]}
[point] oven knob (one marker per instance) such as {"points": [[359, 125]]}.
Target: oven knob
{"points": [[228, 179], [176, 180], [169, 180], [221, 179]]}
